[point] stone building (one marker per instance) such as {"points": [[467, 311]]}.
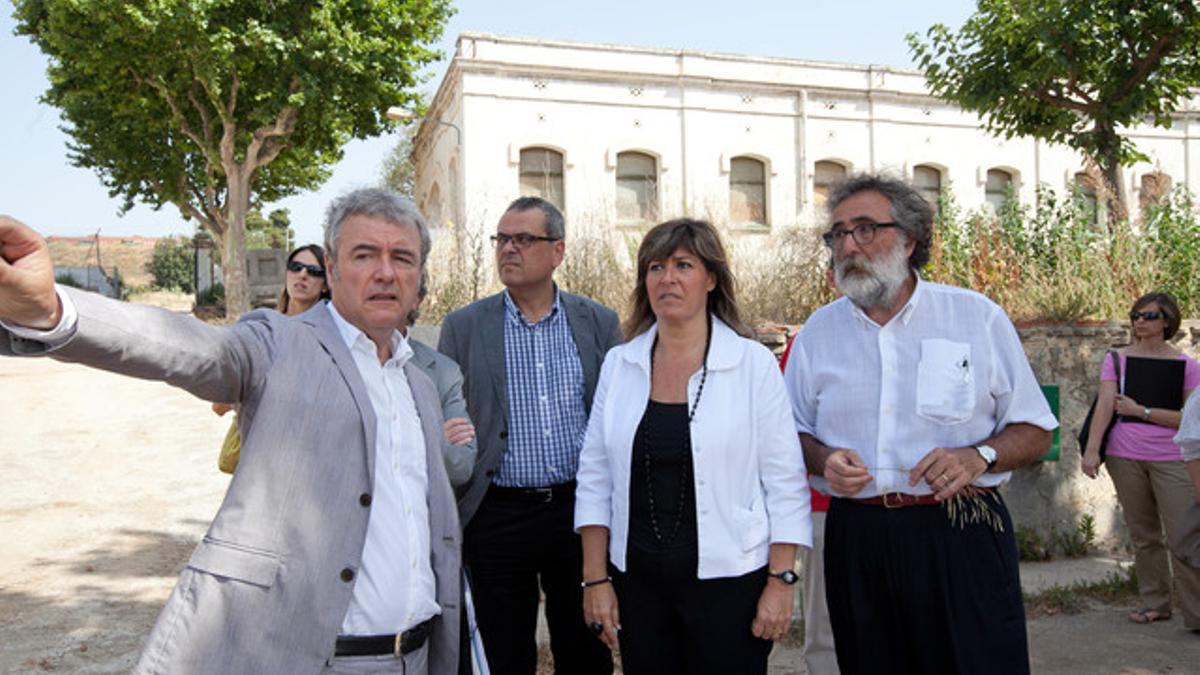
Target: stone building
{"points": [[622, 136]]}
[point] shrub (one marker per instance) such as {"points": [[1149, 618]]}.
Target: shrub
{"points": [[173, 265], [213, 295], [64, 279]]}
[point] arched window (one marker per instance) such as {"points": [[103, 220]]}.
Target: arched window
{"points": [[747, 191], [542, 175], [996, 191], [825, 176], [928, 181], [1085, 192], [637, 187], [433, 211]]}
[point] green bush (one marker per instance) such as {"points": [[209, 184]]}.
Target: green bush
{"points": [[213, 295], [173, 265], [64, 279], [1031, 545]]}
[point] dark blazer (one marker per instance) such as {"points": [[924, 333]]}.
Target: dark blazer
{"points": [[474, 337], [267, 588]]}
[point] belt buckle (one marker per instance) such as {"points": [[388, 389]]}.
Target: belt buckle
{"points": [[887, 504], [398, 647], [545, 494]]}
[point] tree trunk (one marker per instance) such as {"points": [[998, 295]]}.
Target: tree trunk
{"points": [[1110, 167], [237, 290]]}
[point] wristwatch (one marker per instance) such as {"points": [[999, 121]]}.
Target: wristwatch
{"points": [[787, 576], [988, 453], [1146, 413]]}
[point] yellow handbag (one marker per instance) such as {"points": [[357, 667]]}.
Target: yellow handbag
{"points": [[231, 449]]}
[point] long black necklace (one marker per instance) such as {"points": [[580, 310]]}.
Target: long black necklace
{"points": [[685, 450]]}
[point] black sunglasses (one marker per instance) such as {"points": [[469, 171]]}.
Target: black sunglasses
{"points": [[313, 270], [1148, 315]]}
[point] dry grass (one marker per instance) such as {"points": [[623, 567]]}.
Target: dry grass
{"points": [[128, 254]]}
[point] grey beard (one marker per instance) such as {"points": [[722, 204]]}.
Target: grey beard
{"points": [[874, 284]]}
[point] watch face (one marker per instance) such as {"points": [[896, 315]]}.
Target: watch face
{"points": [[987, 452], [788, 577]]}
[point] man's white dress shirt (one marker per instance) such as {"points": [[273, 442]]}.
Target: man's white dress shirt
{"points": [[947, 371]]}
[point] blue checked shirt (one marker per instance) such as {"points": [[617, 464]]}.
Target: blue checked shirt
{"points": [[546, 418]]}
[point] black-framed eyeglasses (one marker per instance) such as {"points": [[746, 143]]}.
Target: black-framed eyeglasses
{"points": [[863, 233], [522, 240], [1148, 315], [313, 270]]}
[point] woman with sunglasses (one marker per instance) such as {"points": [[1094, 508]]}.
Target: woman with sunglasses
{"points": [[1145, 464], [303, 286], [691, 484]]}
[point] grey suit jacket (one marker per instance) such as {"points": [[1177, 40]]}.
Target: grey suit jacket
{"points": [[474, 337], [448, 379], [267, 588]]}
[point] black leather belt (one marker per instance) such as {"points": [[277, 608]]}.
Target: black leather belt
{"points": [[373, 645], [536, 495]]}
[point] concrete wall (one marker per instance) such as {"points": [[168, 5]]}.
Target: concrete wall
{"points": [[1051, 495]]}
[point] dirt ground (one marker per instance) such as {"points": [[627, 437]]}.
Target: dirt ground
{"points": [[109, 482]]}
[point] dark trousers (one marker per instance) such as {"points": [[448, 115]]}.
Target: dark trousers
{"points": [[910, 591], [673, 623], [509, 546]]}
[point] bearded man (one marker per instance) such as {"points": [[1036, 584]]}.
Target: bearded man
{"points": [[914, 401]]}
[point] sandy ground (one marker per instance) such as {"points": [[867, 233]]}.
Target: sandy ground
{"points": [[110, 481]]}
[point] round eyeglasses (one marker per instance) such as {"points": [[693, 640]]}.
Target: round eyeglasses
{"points": [[863, 233]]}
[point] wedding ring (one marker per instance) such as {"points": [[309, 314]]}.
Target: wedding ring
{"points": [[596, 627]]}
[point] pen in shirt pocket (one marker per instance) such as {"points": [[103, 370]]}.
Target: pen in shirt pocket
{"points": [[965, 366]]}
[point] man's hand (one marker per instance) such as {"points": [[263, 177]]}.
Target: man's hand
{"points": [[846, 472], [27, 296], [458, 431], [948, 470]]}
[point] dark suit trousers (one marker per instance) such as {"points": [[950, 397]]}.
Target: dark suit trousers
{"points": [[910, 591], [509, 546]]}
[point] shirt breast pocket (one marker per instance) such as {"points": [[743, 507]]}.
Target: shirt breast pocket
{"points": [[945, 381]]}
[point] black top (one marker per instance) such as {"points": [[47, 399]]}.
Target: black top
{"points": [[662, 498]]}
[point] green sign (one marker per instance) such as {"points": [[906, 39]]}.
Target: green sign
{"points": [[1050, 391]]}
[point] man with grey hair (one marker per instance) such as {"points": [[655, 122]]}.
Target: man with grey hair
{"points": [[914, 401], [531, 356], [336, 548]]}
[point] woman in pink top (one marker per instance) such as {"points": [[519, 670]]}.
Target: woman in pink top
{"points": [[1145, 464]]}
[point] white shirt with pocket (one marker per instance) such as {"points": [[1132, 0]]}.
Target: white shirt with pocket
{"points": [[947, 371]]}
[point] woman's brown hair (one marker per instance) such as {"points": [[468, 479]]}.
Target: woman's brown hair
{"points": [[700, 239], [1169, 308]]}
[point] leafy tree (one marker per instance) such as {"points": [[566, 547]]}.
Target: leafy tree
{"points": [[173, 264], [272, 231], [216, 106], [398, 172], [1069, 72]]}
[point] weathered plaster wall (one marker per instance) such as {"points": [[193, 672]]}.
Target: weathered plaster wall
{"points": [[1052, 495]]}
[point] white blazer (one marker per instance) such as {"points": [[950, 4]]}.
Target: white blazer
{"points": [[749, 477]]}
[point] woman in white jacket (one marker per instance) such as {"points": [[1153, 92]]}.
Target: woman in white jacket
{"points": [[691, 480]]}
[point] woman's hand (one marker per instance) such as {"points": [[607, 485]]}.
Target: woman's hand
{"points": [[1090, 464], [221, 408], [774, 615], [600, 607], [1123, 405]]}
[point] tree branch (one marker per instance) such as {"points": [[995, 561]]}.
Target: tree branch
{"points": [[1142, 67], [177, 114]]}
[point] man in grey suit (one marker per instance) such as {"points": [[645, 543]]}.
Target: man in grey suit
{"points": [[459, 445], [530, 356], [336, 548]]}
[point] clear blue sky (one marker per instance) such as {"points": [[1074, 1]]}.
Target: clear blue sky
{"points": [[39, 185]]}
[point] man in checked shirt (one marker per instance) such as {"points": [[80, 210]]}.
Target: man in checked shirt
{"points": [[530, 357]]}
